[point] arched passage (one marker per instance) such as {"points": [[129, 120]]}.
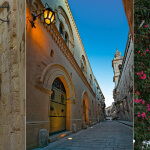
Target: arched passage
{"points": [[47, 80], [85, 107]]}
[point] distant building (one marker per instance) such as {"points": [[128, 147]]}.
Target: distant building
{"points": [[113, 111], [108, 111], [123, 78]]}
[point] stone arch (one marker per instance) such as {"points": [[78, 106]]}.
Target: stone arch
{"points": [[49, 74], [85, 98], [53, 71], [36, 5], [61, 12]]}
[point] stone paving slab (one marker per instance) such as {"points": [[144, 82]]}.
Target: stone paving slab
{"points": [[129, 123], [109, 135]]}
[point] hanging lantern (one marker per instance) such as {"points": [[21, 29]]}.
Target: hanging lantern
{"points": [[49, 16]]}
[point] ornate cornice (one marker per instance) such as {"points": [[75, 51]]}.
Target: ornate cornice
{"points": [[67, 4]]}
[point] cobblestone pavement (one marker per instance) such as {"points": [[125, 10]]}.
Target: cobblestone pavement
{"points": [[109, 135]]}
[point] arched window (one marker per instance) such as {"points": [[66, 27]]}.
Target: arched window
{"points": [[120, 67], [59, 85], [61, 29], [65, 20], [66, 38], [83, 65], [91, 80]]}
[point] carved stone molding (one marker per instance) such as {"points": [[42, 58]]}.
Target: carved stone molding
{"points": [[56, 36]]}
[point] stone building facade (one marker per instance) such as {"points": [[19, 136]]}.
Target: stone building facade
{"points": [[128, 8], [108, 111], [12, 75], [123, 91], [62, 91]]}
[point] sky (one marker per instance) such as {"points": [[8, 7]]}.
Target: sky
{"points": [[103, 27]]}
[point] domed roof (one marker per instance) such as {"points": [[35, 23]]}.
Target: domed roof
{"points": [[117, 54]]}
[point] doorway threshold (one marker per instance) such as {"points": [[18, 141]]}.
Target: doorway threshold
{"points": [[59, 136]]}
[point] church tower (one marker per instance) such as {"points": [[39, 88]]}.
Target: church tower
{"points": [[117, 66]]}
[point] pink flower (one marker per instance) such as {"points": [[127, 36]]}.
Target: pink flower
{"points": [[141, 63], [139, 52], [137, 92], [140, 100], [137, 101], [134, 100], [143, 77], [143, 102], [139, 114], [143, 115], [146, 26], [142, 72], [147, 50], [138, 73]]}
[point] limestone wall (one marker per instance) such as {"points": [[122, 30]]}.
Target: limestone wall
{"points": [[12, 70], [43, 68], [78, 49], [125, 84]]}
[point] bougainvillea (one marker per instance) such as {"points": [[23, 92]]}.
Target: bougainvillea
{"points": [[141, 72]]}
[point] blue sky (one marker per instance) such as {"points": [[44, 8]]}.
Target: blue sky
{"points": [[103, 27]]}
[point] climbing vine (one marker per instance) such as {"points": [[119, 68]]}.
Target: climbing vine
{"points": [[141, 72]]}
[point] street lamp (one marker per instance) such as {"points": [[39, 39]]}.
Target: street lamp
{"points": [[49, 16]]}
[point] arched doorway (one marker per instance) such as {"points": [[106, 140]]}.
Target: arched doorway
{"points": [[84, 111], [85, 107], [46, 80], [58, 107]]}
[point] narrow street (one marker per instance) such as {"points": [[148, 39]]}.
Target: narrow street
{"points": [[109, 135]]}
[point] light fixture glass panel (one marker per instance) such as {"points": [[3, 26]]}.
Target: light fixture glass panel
{"points": [[47, 21], [45, 13], [52, 19], [50, 14]]}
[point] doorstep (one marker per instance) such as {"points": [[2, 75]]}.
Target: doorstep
{"points": [[59, 136]]}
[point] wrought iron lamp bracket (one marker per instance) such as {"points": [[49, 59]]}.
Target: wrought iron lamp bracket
{"points": [[7, 10], [37, 16]]}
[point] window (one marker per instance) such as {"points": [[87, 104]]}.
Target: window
{"points": [[66, 38], [83, 65], [120, 67], [61, 29], [91, 80], [52, 53]]}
